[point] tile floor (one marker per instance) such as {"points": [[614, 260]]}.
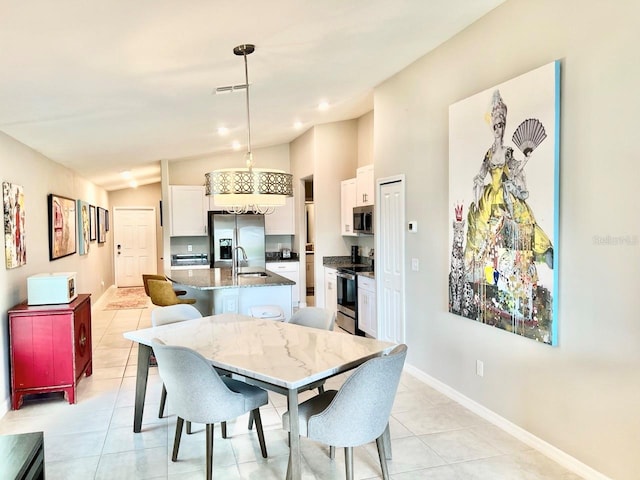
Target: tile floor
{"points": [[432, 436]]}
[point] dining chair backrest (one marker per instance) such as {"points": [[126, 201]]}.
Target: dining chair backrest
{"points": [[196, 391], [173, 313], [359, 412], [314, 317]]}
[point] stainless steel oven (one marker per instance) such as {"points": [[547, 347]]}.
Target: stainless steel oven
{"points": [[346, 317]]}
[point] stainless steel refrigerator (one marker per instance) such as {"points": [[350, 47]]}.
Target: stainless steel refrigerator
{"points": [[226, 231]]}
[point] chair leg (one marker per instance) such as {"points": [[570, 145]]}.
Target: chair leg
{"points": [[383, 456], [321, 389], [188, 428], [386, 438], [263, 447], [250, 426], [209, 435], [332, 452], [163, 401], [348, 462], [176, 440]]}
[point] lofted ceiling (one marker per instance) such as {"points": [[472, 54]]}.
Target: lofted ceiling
{"points": [[103, 87]]}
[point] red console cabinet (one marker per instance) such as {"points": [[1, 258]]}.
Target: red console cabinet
{"points": [[50, 348]]}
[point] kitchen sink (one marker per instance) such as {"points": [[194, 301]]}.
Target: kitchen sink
{"points": [[253, 274]]}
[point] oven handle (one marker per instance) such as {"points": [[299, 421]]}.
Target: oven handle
{"points": [[348, 276]]}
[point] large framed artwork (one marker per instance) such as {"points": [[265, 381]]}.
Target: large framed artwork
{"points": [[15, 248], [503, 197], [102, 225], [84, 227], [62, 226]]}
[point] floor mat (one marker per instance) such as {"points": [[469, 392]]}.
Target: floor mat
{"points": [[128, 298]]}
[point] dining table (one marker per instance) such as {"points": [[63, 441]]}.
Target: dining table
{"points": [[277, 356]]}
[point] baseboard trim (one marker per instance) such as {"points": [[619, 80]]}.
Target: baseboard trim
{"points": [[100, 303], [520, 433]]}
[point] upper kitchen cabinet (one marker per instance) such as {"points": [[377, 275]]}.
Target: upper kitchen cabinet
{"points": [[282, 220], [348, 201], [188, 206], [365, 190]]}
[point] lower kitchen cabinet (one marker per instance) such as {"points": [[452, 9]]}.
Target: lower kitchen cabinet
{"points": [[290, 270], [330, 292], [50, 348], [367, 319]]}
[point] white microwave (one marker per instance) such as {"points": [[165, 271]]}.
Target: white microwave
{"points": [[51, 288]]}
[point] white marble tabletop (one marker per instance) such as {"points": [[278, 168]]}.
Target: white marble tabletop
{"points": [[281, 354]]}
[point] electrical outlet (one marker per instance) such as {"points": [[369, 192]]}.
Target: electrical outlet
{"points": [[189, 248], [415, 264], [480, 368]]}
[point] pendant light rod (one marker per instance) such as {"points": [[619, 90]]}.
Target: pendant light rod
{"points": [[244, 50]]}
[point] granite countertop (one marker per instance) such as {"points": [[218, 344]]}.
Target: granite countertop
{"points": [[371, 275], [215, 278]]}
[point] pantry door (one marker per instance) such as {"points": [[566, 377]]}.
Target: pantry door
{"points": [[390, 259], [134, 235]]}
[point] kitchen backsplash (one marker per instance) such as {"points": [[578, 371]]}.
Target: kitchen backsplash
{"points": [[181, 245]]}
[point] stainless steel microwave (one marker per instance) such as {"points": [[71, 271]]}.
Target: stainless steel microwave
{"points": [[363, 219]]}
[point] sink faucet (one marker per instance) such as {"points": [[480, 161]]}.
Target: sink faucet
{"points": [[235, 263]]}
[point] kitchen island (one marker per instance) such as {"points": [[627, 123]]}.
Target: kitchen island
{"points": [[218, 291]]}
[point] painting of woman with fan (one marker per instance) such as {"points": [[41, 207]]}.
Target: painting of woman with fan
{"points": [[503, 268], [500, 210]]}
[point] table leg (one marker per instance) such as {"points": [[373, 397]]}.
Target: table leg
{"points": [[294, 472], [144, 353]]}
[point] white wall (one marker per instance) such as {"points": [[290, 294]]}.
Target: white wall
{"points": [[40, 176], [583, 395], [329, 152]]}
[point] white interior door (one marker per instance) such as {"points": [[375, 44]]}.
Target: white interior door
{"points": [[390, 259], [134, 231]]}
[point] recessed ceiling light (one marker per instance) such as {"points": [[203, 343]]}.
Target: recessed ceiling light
{"points": [[126, 174], [133, 184], [236, 145], [222, 131], [324, 105], [297, 125]]}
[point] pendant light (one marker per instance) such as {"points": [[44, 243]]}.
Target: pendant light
{"points": [[248, 189]]}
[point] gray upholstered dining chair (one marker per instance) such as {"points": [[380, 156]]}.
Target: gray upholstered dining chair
{"points": [[172, 314], [200, 395], [314, 317], [359, 412]]}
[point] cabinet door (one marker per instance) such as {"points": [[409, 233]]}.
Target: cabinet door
{"points": [[188, 210], [367, 320], [282, 220], [330, 293], [365, 190], [348, 201], [290, 270]]}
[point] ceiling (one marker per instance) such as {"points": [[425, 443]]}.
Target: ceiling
{"points": [[103, 87]]}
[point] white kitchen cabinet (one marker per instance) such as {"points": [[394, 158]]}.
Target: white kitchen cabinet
{"points": [[330, 292], [365, 188], [282, 220], [188, 206], [367, 319], [348, 201], [290, 270]]}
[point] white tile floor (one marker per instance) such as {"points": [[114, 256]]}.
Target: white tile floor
{"points": [[432, 437]]}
